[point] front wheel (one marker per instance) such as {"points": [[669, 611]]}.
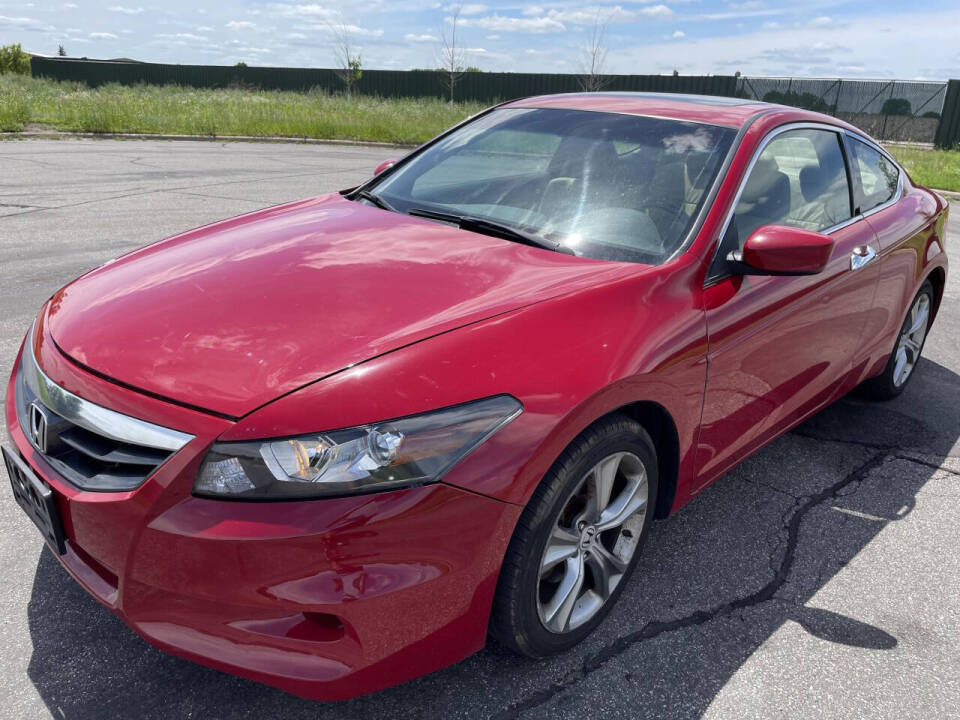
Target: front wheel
{"points": [[578, 540], [906, 353]]}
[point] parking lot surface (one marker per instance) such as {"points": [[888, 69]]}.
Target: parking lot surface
{"points": [[820, 578]]}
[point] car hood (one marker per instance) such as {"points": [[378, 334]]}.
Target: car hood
{"points": [[231, 316]]}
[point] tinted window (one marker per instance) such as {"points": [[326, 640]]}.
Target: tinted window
{"points": [[609, 186], [878, 176], [799, 180]]}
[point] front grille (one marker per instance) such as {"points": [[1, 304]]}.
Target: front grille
{"points": [[92, 447]]}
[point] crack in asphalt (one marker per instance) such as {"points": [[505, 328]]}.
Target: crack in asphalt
{"points": [[793, 519], [927, 463]]}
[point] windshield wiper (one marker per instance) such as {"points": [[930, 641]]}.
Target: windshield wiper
{"points": [[375, 199], [491, 227]]}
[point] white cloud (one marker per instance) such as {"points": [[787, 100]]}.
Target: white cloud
{"points": [[296, 36], [255, 50], [125, 10], [493, 37], [822, 21], [478, 51], [748, 5], [70, 6], [184, 36], [24, 22], [240, 25], [512, 24], [591, 14], [103, 36], [677, 34], [738, 14], [467, 8], [204, 29], [312, 10], [657, 11], [351, 30], [413, 37], [924, 42]]}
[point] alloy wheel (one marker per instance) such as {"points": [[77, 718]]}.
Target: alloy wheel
{"points": [[911, 340], [592, 542]]}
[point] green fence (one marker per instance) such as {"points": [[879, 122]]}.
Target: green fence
{"points": [[888, 110], [477, 86], [948, 134], [891, 110]]}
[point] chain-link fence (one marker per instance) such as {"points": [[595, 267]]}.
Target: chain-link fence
{"points": [[896, 110]]}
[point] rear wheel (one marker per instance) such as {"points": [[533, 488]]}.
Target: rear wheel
{"points": [[578, 540], [906, 353]]}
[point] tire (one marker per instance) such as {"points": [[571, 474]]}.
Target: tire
{"points": [[527, 615], [891, 382]]}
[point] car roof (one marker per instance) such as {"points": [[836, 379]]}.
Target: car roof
{"points": [[732, 112]]}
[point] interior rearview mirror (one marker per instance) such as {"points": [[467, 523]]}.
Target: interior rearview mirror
{"points": [[781, 250]]}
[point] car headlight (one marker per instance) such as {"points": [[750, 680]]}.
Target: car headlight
{"points": [[399, 453]]}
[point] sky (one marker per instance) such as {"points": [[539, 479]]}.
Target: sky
{"points": [[818, 38]]}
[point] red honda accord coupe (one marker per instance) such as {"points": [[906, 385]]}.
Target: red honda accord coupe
{"points": [[331, 445]]}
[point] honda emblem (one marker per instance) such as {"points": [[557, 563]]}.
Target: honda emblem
{"points": [[38, 427]]}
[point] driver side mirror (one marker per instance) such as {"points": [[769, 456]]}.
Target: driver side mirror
{"points": [[781, 250], [385, 165]]}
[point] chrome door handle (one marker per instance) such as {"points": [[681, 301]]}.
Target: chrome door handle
{"points": [[861, 256]]}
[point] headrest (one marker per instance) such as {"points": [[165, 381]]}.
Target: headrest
{"points": [[696, 163], [814, 180], [581, 156], [763, 178]]}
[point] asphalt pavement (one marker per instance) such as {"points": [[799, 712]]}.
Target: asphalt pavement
{"points": [[821, 578]]}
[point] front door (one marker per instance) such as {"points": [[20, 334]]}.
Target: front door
{"points": [[780, 347]]}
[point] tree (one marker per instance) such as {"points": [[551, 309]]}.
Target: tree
{"points": [[452, 56], [240, 65], [349, 64], [61, 52], [14, 60], [594, 56], [806, 100], [896, 106]]}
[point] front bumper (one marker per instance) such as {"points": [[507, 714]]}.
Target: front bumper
{"points": [[326, 598]]}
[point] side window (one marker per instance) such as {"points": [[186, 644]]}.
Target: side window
{"points": [[799, 180], [878, 176]]}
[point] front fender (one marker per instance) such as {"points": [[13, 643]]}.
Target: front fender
{"points": [[569, 360]]}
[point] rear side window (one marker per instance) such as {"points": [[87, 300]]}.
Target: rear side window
{"points": [[879, 177], [799, 180]]}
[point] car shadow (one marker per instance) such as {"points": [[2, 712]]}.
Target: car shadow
{"points": [[714, 583]]}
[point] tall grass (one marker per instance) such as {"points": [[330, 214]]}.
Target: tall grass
{"points": [[187, 111], [14, 108], [261, 113], [934, 168]]}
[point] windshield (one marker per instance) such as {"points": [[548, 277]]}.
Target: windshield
{"points": [[604, 185]]}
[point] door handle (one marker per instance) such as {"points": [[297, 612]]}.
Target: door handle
{"points": [[861, 256]]}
